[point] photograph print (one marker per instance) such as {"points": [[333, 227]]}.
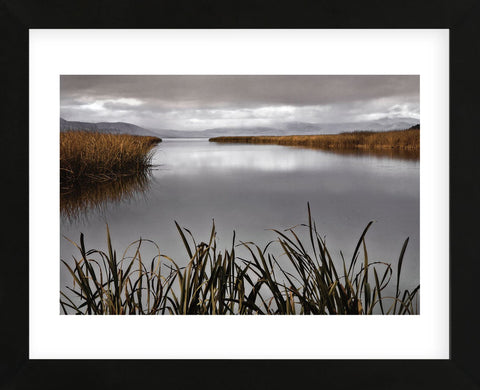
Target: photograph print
{"points": [[239, 194]]}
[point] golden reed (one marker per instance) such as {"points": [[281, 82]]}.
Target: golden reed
{"points": [[87, 156], [396, 140]]}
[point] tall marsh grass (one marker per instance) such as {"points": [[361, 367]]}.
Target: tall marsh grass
{"points": [[87, 156], [401, 140], [215, 281]]}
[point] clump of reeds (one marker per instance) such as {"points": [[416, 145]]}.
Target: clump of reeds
{"points": [[358, 140], [105, 285], [220, 282], [87, 156]]}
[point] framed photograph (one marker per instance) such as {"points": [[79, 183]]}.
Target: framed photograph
{"points": [[298, 179]]}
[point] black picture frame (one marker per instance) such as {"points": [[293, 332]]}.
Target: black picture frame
{"points": [[461, 17]]}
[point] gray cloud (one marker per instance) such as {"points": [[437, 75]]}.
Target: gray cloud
{"points": [[199, 102]]}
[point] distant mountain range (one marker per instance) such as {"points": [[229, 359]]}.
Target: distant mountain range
{"points": [[287, 128], [106, 127]]}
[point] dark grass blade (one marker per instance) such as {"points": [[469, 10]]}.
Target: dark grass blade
{"points": [[399, 270]]}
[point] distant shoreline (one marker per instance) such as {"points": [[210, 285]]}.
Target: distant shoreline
{"points": [[360, 141]]}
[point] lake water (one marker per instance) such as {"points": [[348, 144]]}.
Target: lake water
{"points": [[252, 188]]}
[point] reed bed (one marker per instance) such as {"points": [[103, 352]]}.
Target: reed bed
{"points": [[397, 140], [217, 281], [87, 156]]}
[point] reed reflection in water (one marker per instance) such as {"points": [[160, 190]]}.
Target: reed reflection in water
{"points": [[79, 200], [396, 154]]}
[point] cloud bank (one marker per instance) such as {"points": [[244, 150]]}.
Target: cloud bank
{"points": [[201, 102]]}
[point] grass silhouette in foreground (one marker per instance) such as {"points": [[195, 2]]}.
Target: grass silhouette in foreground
{"points": [[220, 282], [87, 156], [397, 140]]}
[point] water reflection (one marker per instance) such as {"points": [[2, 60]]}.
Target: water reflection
{"points": [[77, 202], [180, 158], [410, 155], [250, 188]]}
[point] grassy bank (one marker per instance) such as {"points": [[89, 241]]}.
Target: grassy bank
{"points": [[401, 140], [87, 157], [215, 281]]}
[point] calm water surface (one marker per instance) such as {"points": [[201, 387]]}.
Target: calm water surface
{"points": [[252, 188]]}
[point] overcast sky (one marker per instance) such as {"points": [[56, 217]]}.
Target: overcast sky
{"points": [[202, 102]]}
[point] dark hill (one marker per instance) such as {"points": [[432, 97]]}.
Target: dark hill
{"points": [[106, 127]]}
